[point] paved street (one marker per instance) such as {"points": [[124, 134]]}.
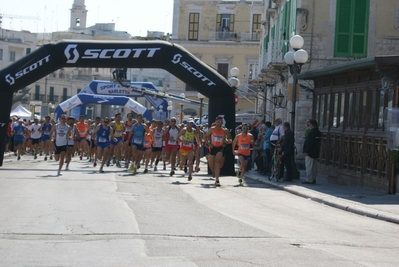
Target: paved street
{"points": [[84, 218]]}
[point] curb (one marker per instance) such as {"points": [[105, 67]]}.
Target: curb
{"points": [[349, 206]]}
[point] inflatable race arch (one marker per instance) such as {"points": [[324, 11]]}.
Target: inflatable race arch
{"points": [[98, 87], [119, 54], [123, 101]]}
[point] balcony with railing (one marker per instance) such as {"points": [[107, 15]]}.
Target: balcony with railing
{"points": [[249, 36], [220, 36], [276, 50]]}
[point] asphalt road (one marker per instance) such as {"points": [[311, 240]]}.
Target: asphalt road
{"points": [[84, 218]]}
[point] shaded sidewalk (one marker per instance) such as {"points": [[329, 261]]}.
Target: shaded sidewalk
{"points": [[374, 204]]}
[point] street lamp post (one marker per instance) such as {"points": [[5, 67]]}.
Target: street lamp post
{"points": [[201, 98], [170, 107], [295, 60], [234, 81]]}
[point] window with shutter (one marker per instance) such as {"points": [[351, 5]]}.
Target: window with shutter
{"points": [[193, 26], [351, 28]]}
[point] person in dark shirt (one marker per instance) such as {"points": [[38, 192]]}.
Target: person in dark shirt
{"points": [[287, 146], [311, 149]]}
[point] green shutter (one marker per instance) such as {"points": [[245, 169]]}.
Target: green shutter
{"points": [[272, 32], [351, 28], [342, 28], [265, 42], [360, 27]]}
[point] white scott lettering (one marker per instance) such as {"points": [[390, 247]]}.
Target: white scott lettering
{"points": [[10, 79], [119, 53], [177, 58]]}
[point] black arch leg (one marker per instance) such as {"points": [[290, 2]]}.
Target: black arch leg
{"points": [[5, 109], [224, 106]]}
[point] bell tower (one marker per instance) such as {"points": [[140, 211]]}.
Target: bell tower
{"points": [[78, 15]]}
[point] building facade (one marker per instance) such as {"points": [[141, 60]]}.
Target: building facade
{"points": [[340, 84], [223, 34]]}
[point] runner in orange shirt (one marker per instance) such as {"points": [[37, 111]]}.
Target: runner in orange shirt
{"points": [[82, 132], [244, 141], [216, 138]]}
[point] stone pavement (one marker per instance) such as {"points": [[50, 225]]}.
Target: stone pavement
{"points": [[374, 204]]}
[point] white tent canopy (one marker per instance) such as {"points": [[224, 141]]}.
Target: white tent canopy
{"points": [[22, 113]]}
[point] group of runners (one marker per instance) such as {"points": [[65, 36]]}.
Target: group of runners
{"points": [[136, 142]]}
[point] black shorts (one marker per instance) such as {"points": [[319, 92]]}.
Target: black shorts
{"points": [[91, 143], [36, 141], [18, 142], [215, 150], [139, 147], [156, 149], [59, 149]]}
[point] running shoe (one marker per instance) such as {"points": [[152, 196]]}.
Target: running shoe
{"points": [[118, 164], [59, 173], [113, 161], [155, 168], [108, 163], [197, 169], [67, 168], [126, 165], [19, 157], [240, 181], [145, 170], [134, 170], [185, 169], [81, 157], [35, 157], [164, 167], [190, 177], [171, 173], [101, 170], [138, 166], [131, 167], [217, 183], [45, 158], [51, 157], [181, 167], [41, 153]]}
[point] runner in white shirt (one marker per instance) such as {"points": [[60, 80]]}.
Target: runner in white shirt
{"points": [[62, 134], [35, 135]]}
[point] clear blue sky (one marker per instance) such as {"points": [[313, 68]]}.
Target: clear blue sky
{"points": [[134, 16]]}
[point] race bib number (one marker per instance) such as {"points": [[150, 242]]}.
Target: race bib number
{"points": [[218, 139], [137, 140], [128, 129], [187, 144], [146, 143], [81, 132], [46, 133], [118, 132], [172, 142], [244, 146], [102, 139]]}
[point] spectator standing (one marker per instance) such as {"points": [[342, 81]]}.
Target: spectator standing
{"points": [[267, 147], [311, 150], [287, 146]]}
